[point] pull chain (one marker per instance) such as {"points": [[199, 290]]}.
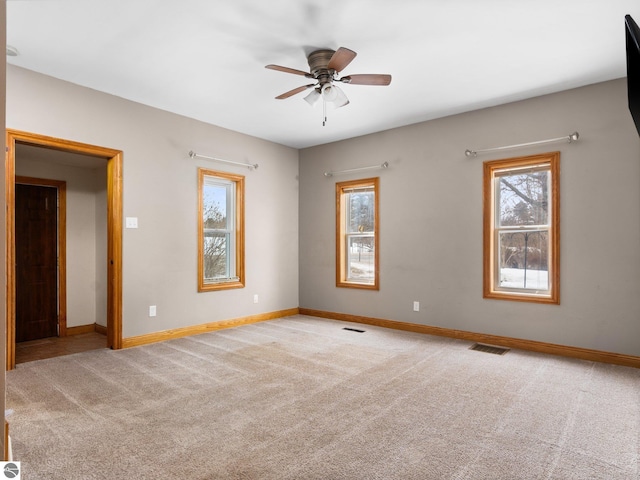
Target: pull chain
{"points": [[324, 112]]}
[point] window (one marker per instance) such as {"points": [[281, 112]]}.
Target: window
{"points": [[357, 234], [521, 228], [220, 230]]}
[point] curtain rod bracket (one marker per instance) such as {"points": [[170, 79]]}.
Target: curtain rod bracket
{"points": [[250, 166], [569, 138]]}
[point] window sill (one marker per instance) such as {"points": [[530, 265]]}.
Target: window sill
{"points": [[522, 297], [210, 287], [363, 286]]}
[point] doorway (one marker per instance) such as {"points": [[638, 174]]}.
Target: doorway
{"points": [[113, 160]]}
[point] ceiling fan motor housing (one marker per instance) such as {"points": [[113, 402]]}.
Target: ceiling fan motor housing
{"points": [[318, 63]]}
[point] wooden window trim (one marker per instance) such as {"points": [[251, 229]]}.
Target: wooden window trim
{"points": [[341, 280], [489, 291], [239, 232]]}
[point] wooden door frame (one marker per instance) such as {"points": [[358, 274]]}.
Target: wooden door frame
{"points": [[114, 229], [61, 229]]}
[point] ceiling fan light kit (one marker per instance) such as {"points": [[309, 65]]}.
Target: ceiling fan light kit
{"points": [[329, 92], [324, 67], [12, 51], [313, 97]]}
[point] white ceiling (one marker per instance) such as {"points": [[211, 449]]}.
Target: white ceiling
{"points": [[205, 58]]}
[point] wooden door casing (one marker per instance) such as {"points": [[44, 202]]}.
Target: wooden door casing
{"points": [[114, 160]]}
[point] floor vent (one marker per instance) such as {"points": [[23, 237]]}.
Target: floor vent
{"points": [[353, 329], [480, 347]]}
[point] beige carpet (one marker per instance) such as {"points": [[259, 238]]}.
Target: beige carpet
{"points": [[302, 398]]}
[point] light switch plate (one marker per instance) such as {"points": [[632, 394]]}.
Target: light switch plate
{"points": [[131, 222]]}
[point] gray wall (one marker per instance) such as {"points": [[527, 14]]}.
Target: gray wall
{"points": [[431, 221], [85, 234], [160, 188]]}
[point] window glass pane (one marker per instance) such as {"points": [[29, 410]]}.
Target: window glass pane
{"points": [[216, 235], [360, 212], [523, 198], [361, 258], [215, 206], [524, 260], [216, 258]]}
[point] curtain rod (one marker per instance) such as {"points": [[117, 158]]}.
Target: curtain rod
{"points": [[254, 166], [331, 174], [569, 138]]}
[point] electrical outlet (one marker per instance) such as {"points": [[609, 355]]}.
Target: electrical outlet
{"points": [[131, 222], [152, 311], [416, 306], [255, 298]]}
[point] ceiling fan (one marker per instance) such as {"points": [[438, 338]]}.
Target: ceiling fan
{"points": [[325, 65]]}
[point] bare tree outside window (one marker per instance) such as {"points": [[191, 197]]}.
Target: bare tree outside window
{"points": [[215, 242], [360, 235], [524, 253]]}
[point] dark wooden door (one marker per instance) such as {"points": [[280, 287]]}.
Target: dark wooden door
{"points": [[36, 243]]}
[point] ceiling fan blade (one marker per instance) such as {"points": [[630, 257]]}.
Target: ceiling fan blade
{"points": [[340, 59], [290, 93], [367, 79], [289, 70]]}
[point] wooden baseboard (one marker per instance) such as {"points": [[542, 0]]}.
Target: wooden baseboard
{"points": [[517, 343], [100, 329], [79, 330], [204, 328]]}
